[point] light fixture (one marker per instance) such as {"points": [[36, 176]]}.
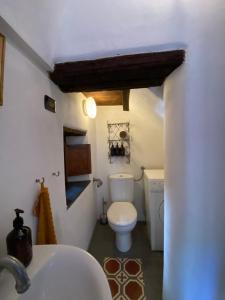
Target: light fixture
{"points": [[89, 107]]}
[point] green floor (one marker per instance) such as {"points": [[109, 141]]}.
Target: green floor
{"points": [[103, 245]]}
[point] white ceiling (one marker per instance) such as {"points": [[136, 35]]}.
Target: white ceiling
{"points": [[37, 23], [104, 27], [62, 30]]}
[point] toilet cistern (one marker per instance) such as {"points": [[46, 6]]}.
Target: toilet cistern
{"points": [[122, 214]]}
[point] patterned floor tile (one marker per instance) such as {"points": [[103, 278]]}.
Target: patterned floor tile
{"points": [[125, 277]]}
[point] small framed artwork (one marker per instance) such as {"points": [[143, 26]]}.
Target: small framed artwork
{"points": [[2, 58], [50, 104]]}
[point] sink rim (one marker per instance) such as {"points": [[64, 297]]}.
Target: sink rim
{"points": [[43, 256]]}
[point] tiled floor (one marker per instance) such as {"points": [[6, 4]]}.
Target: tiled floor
{"points": [[103, 245]]}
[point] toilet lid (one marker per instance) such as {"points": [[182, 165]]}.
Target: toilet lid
{"points": [[122, 213]]}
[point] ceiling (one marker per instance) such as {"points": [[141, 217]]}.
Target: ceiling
{"points": [[77, 29], [103, 98]]}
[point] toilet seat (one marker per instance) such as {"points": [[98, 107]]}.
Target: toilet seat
{"points": [[122, 213]]}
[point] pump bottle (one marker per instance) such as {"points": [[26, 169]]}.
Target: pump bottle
{"points": [[19, 240]]}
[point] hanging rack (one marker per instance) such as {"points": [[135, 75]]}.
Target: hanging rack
{"points": [[114, 130]]}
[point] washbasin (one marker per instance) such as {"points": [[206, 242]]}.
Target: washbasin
{"points": [[59, 272]]}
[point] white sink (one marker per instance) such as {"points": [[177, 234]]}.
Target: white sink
{"points": [[59, 272]]}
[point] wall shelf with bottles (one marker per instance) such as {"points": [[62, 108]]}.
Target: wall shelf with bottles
{"points": [[119, 141]]}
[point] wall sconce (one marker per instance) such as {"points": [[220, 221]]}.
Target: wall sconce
{"points": [[89, 107]]}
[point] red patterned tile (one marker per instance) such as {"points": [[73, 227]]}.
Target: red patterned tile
{"points": [[125, 278], [114, 287], [132, 267], [112, 266], [134, 290]]}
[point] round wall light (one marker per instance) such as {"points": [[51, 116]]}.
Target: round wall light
{"points": [[89, 107]]}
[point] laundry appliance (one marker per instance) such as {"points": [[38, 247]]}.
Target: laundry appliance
{"points": [[154, 206]]}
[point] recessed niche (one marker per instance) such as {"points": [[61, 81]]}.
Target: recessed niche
{"points": [[74, 189], [77, 156]]}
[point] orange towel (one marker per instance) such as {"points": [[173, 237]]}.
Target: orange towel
{"points": [[42, 209]]}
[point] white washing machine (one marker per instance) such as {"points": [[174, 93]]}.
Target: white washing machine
{"points": [[154, 205]]}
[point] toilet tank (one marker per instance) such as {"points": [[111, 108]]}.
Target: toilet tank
{"points": [[121, 187]]}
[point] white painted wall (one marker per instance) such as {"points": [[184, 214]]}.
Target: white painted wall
{"points": [[32, 147], [146, 130], [37, 23], [195, 146], [194, 208]]}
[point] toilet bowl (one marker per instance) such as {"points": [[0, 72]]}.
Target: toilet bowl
{"points": [[122, 214], [122, 217]]}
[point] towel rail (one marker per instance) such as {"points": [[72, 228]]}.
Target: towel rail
{"points": [[56, 174]]}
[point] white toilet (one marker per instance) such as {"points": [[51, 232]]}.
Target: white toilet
{"points": [[122, 214]]}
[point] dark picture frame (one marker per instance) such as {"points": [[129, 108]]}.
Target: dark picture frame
{"points": [[50, 104], [2, 60]]}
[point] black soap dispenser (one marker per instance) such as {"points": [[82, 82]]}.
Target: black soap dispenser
{"points": [[112, 150], [117, 150], [19, 240], [122, 150]]}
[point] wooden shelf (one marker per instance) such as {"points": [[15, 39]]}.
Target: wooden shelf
{"points": [[73, 132]]}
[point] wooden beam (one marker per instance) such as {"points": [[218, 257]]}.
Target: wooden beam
{"points": [[73, 132], [120, 72], [126, 95], [103, 98]]}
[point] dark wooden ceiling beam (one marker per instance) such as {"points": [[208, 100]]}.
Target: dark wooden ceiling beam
{"points": [[113, 86], [126, 95], [120, 72], [103, 98], [73, 132]]}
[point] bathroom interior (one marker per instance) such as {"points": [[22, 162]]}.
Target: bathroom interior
{"points": [[99, 155], [111, 150]]}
